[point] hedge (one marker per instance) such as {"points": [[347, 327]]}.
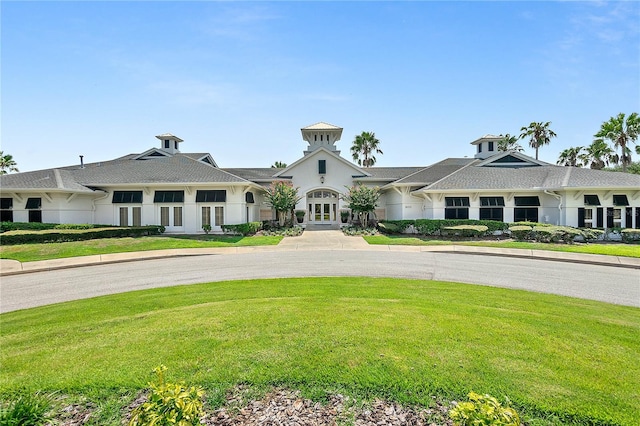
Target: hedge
{"points": [[434, 227], [37, 226], [465, 230], [243, 229], [53, 236], [630, 235]]}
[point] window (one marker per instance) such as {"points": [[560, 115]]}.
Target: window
{"points": [[617, 218], [206, 215], [177, 216], [322, 167], [164, 216], [124, 216], [618, 200], [492, 213], [492, 201], [457, 201], [6, 203], [479, 148], [527, 201], [168, 197], [6, 214], [490, 146], [35, 216], [525, 214], [167, 143], [248, 198], [137, 216], [219, 212], [33, 204], [214, 196], [456, 213], [129, 197], [591, 200]]}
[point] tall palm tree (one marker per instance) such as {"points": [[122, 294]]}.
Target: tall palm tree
{"points": [[539, 134], [7, 164], [365, 145], [279, 165], [570, 157], [598, 155], [509, 143], [621, 132]]}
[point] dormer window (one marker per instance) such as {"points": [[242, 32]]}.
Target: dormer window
{"points": [[479, 148], [167, 143], [490, 145]]}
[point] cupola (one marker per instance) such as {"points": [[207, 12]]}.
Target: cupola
{"points": [[169, 143], [321, 135], [487, 146]]}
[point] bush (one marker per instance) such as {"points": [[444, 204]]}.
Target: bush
{"points": [[483, 410], [521, 232], [243, 229], [433, 227], [395, 226], [37, 226], [26, 410], [630, 235], [294, 231], [59, 236], [465, 230], [169, 404], [357, 230]]}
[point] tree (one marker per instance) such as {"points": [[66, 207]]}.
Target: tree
{"points": [[283, 197], [539, 134], [633, 168], [362, 200], [365, 145], [570, 157], [621, 132], [509, 143], [598, 155], [279, 165], [7, 164]]}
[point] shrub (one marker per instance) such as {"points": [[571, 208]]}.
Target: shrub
{"points": [[465, 230], [206, 228], [357, 230], [58, 236], [434, 227], [169, 404], [243, 229], [483, 410], [395, 226], [37, 226], [521, 232], [26, 410], [285, 232], [630, 235]]}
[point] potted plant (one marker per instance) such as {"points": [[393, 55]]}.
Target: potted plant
{"points": [[300, 215], [344, 215]]}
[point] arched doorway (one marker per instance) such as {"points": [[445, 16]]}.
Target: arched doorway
{"points": [[322, 207]]}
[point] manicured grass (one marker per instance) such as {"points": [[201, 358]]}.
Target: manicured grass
{"points": [[628, 250], [404, 340], [32, 252]]}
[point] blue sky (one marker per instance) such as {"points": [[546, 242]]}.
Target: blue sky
{"points": [[239, 79]]}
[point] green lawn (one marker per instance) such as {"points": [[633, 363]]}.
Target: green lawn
{"points": [[32, 252], [628, 250], [560, 358]]}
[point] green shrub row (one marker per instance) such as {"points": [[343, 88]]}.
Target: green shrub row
{"points": [[37, 226], [59, 237], [630, 235], [434, 227], [243, 229], [465, 230]]}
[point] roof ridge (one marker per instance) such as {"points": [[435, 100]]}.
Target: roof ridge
{"points": [[475, 160]]}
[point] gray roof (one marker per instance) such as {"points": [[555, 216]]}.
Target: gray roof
{"points": [[254, 174], [435, 172], [529, 178]]}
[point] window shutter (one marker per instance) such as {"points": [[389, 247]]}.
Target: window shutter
{"points": [[581, 217]]}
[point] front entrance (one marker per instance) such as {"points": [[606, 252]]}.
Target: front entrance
{"points": [[323, 207]]}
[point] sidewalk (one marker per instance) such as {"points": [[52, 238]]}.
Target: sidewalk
{"points": [[312, 241]]}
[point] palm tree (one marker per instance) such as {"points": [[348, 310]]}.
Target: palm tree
{"points": [[7, 164], [539, 134], [621, 132], [509, 143], [363, 148], [570, 157], [598, 155], [279, 165]]}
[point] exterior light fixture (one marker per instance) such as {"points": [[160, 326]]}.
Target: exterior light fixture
{"points": [[321, 179]]}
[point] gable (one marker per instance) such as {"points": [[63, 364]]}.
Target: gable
{"points": [[310, 164], [511, 159]]}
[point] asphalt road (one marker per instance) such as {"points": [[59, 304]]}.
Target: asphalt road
{"points": [[596, 282]]}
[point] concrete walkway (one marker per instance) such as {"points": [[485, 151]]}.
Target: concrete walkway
{"points": [[313, 239]]}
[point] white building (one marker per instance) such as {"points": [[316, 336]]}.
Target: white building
{"points": [[183, 191]]}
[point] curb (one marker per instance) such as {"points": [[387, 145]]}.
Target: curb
{"points": [[14, 267]]}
